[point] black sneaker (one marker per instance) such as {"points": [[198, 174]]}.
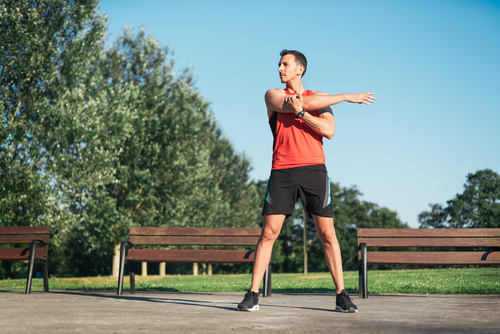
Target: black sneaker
{"points": [[250, 302], [344, 303]]}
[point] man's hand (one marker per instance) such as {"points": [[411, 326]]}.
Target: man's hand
{"points": [[365, 98], [294, 103]]}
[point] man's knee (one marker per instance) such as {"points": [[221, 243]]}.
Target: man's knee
{"points": [[268, 235], [272, 227], [328, 237]]}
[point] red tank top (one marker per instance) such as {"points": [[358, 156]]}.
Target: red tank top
{"points": [[295, 143]]}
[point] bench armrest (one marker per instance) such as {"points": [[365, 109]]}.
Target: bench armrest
{"points": [[126, 242], [39, 243]]}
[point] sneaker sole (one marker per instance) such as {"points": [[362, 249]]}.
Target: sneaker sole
{"points": [[254, 308], [351, 310]]}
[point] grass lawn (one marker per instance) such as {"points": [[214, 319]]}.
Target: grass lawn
{"points": [[481, 281]]}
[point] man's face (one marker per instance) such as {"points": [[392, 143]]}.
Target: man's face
{"points": [[289, 69]]}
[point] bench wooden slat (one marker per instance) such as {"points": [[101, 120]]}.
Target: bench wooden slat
{"points": [[191, 255], [22, 239], [194, 231], [429, 242], [426, 233], [194, 240], [24, 230], [21, 253], [433, 258]]}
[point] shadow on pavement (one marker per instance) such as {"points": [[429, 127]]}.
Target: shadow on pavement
{"points": [[193, 302]]}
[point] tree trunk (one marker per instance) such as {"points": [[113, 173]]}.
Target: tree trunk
{"points": [[304, 220], [195, 269], [116, 261], [162, 268]]}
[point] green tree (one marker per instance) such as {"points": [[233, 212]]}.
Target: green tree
{"points": [[86, 143], [148, 154], [477, 207], [177, 169], [38, 41], [231, 172]]}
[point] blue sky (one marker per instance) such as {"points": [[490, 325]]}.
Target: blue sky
{"points": [[434, 67]]}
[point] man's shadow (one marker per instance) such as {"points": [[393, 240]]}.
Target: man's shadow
{"points": [[191, 302]]}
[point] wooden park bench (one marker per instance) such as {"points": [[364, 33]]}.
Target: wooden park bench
{"points": [[38, 239], [466, 237], [189, 236]]}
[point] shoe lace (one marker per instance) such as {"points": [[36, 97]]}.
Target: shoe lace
{"points": [[248, 295], [345, 297]]}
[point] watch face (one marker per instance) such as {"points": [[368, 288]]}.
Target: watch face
{"points": [[300, 114]]}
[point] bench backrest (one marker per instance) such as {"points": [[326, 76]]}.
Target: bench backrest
{"points": [[23, 234], [164, 236], [446, 237]]}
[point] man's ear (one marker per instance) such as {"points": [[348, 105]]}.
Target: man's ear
{"points": [[301, 70]]}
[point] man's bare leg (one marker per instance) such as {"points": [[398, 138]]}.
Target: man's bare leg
{"points": [[326, 233], [270, 232], [333, 257]]}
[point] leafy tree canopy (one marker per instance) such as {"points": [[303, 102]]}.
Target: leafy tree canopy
{"points": [[477, 207], [41, 43]]}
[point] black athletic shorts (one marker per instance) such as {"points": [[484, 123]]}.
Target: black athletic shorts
{"points": [[310, 183]]}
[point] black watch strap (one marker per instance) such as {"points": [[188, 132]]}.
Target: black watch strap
{"points": [[300, 114]]}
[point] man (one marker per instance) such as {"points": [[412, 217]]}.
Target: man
{"points": [[299, 120]]}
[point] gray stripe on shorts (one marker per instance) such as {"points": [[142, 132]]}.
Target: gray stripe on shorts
{"points": [[327, 200], [268, 197]]}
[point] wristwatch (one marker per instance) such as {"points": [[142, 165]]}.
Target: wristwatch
{"points": [[300, 114]]}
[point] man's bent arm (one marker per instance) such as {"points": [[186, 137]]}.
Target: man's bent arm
{"points": [[323, 124]]}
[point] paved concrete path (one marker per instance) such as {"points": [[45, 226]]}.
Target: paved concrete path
{"points": [[157, 312]]}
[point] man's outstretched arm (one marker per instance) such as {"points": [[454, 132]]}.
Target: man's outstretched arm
{"points": [[275, 100], [316, 102]]}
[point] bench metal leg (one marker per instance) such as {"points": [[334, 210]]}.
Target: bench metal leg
{"points": [[363, 280], [121, 267], [360, 273], [30, 266], [267, 282]]}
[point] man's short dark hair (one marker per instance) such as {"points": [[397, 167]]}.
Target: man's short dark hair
{"points": [[299, 58]]}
